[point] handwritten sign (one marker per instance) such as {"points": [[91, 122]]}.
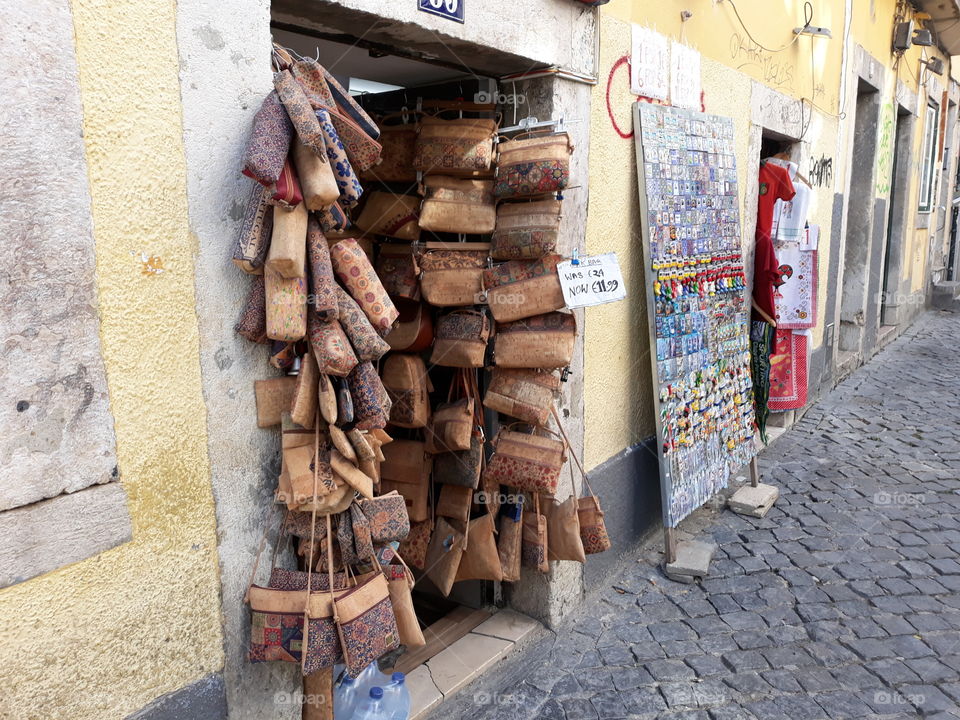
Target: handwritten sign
{"points": [[685, 77], [650, 64], [595, 281]]}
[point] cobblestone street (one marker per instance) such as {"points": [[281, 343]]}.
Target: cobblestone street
{"points": [[844, 602]]}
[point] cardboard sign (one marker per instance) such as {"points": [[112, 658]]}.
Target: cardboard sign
{"points": [[594, 281], [650, 64]]}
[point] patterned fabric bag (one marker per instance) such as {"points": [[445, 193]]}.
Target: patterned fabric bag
{"points": [[398, 144], [252, 324], [392, 215], [533, 552], [286, 306], [452, 273], [299, 110], [323, 286], [397, 271], [454, 147], [406, 469], [333, 219], [366, 623], [310, 74], [480, 560], [533, 166], [269, 142], [520, 289], [371, 403], [253, 240], [354, 270], [460, 339], [529, 463], [545, 341], [526, 230], [285, 192], [526, 395], [288, 242], [593, 531], [415, 547], [400, 581], [317, 182], [350, 107], [408, 385], [458, 206], [443, 556], [331, 347], [510, 542], [362, 150], [350, 188], [388, 518], [366, 342]]}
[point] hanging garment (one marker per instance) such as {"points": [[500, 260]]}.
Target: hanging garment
{"points": [[775, 184], [788, 371], [761, 346], [796, 298]]}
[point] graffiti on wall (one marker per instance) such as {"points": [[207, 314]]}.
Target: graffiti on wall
{"points": [[775, 73], [884, 171], [821, 171]]}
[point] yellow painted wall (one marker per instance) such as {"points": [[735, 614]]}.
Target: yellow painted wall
{"points": [[99, 639]]}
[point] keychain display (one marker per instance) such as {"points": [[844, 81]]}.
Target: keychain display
{"points": [[700, 313]]}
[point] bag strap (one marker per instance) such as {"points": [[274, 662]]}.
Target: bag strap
{"points": [[313, 535], [263, 544], [556, 417]]}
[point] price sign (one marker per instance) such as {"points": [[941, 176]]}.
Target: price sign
{"points": [[594, 281], [449, 9]]}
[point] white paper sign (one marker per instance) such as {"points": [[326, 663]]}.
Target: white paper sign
{"points": [[650, 64], [685, 83], [595, 281]]}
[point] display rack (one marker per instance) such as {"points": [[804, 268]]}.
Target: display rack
{"points": [[696, 305]]}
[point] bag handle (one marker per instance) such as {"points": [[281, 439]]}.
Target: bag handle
{"points": [[566, 440], [400, 114], [545, 132]]}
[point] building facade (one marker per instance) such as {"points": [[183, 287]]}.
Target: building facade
{"points": [[124, 566]]}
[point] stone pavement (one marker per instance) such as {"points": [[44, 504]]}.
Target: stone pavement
{"points": [[844, 602]]}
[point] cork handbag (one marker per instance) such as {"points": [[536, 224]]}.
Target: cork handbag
{"points": [[398, 143], [317, 181], [534, 549], [387, 516], [480, 559], [454, 147], [273, 398], [460, 339], [397, 271], [353, 268], [253, 239], [286, 306], [531, 166], [545, 342], [443, 555], [396, 216], [415, 547], [406, 469], [563, 528], [405, 378], [288, 242], [510, 541], [455, 502], [520, 289], [458, 206], [524, 394], [526, 230], [400, 580], [451, 274], [529, 463]]}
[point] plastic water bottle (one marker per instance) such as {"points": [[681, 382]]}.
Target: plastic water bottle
{"points": [[396, 698], [372, 708], [346, 697], [370, 677]]}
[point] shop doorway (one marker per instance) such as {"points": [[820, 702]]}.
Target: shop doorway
{"points": [[860, 221], [944, 209], [898, 220]]}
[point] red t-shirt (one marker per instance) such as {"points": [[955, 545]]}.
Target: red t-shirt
{"points": [[775, 184]]}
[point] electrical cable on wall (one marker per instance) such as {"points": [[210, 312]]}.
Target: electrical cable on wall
{"points": [[807, 17]]}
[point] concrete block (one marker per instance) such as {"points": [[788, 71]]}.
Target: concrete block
{"points": [[424, 695], [507, 625], [463, 661], [693, 560], [754, 501]]}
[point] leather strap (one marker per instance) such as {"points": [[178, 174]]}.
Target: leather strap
{"points": [[556, 416]]}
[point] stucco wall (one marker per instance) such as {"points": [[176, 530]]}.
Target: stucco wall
{"points": [[99, 639]]}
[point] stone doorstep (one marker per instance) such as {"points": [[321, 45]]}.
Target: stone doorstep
{"points": [[754, 501], [466, 659]]}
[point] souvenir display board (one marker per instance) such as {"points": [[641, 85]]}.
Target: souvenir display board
{"points": [[698, 313]]}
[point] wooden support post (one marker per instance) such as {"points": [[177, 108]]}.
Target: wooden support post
{"points": [[670, 544], [754, 473]]}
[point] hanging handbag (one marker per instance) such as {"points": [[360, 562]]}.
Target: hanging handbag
{"points": [[454, 147], [398, 143], [455, 502], [365, 622], [303, 406], [310, 74], [563, 529], [331, 347], [406, 468], [333, 218], [451, 426], [348, 106], [286, 192], [317, 181], [269, 142], [533, 552], [451, 274], [458, 206], [526, 395], [397, 271], [354, 270], [415, 547], [462, 467], [545, 341], [286, 306], [299, 110], [343, 170], [443, 556], [366, 341], [510, 541], [400, 581], [408, 385], [526, 230], [396, 216], [460, 339], [413, 331], [323, 286], [273, 398], [318, 694], [371, 403], [520, 289], [529, 463], [480, 559], [387, 516], [252, 324], [327, 400], [288, 242], [253, 239], [533, 166]]}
